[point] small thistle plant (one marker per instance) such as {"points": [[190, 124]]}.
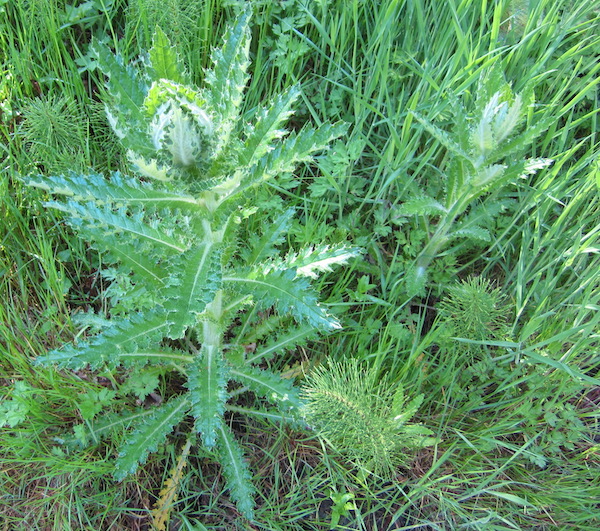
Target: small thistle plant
{"points": [[363, 416], [187, 293], [483, 148]]}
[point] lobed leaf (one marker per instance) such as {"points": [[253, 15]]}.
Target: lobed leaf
{"points": [[239, 480], [227, 79], [269, 385], [138, 332], [473, 233], [151, 432], [266, 128], [193, 286], [128, 91], [288, 293], [442, 137], [105, 220], [207, 385], [117, 191], [294, 149], [421, 206], [313, 260], [286, 341], [265, 247], [164, 60]]}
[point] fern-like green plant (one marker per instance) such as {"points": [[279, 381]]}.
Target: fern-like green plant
{"points": [[484, 155], [53, 130], [474, 309], [364, 416], [187, 294]]}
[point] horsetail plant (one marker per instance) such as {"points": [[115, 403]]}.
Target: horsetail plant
{"points": [[188, 295]]}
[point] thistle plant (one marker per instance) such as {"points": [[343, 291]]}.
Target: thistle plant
{"points": [[484, 151], [188, 295], [363, 416]]}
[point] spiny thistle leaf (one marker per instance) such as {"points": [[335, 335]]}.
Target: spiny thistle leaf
{"points": [[168, 494], [294, 149], [150, 433], [207, 381], [421, 206], [155, 356], [164, 60], [265, 247], [194, 285], [311, 261], [127, 253], [268, 385], [267, 127], [286, 341], [227, 78], [128, 89], [442, 137], [103, 427], [288, 292], [105, 348], [473, 233], [88, 215], [117, 190], [239, 480]]}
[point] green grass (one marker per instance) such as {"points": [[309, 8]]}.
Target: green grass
{"points": [[516, 416]]}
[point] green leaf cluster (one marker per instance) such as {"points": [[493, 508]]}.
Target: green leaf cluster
{"points": [[169, 234]]}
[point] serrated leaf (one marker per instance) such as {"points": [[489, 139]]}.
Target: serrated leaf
{"points": [[199, 275], [124, 82], [149, 435], [402, 413], [266, 127], [288, 340], [121, 250], [520, 142], [104, 426], [416, 278], [239, 479], [89, 215], [227, 78], [288, 293], [155, 356], [442, 137], [127, 90], [164, 61], [207, 384], [291, 151], [473, 233], [488, 176], [117, 190], [273, 235], [482, 138], [507, 119], [127, 336], [268, 385], [421, 206], [313, 260]]}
